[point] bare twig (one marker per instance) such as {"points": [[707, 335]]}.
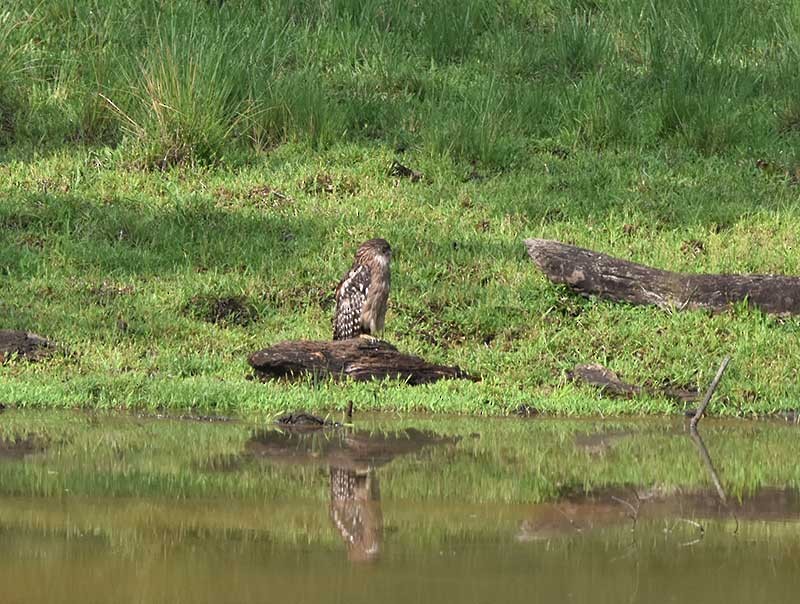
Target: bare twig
{"points": [[702, 409], [634, 515], [628, 504]]}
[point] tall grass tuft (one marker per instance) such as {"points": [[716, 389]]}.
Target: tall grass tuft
{"points": [[479, 125], [580, 46], [294, 106], [451, 28], [789, 110], [15, 65], [191, 80], [183, 100], [598, 114], [704, 103]]}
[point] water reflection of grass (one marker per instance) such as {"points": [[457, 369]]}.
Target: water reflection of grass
{"points": [[495, 461], [128, 525]]}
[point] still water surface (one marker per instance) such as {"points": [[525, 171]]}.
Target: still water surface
{"points": [[123, 509]]}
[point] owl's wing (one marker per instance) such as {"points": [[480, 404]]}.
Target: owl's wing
{"points": [[350, 296]]}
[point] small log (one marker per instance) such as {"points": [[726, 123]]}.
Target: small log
{"points": [[24, 344], [593, 273], [360, 359], [610, 384], [604, 379]]}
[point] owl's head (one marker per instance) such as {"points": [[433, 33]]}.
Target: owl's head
{"points": [[375, 250]]}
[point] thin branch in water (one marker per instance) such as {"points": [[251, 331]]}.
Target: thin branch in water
{"points": [[702, 409], [704, 455], [634, 515]]}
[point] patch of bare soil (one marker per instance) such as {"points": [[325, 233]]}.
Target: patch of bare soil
{"points": [[226, 310], [26, 345], [328, 184]]}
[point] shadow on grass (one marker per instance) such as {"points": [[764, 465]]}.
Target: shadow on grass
{"points": [[130, 237]]}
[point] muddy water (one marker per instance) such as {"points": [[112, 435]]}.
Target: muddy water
{"points": [[123, 509]]}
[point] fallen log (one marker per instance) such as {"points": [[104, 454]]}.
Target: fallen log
{"points": [[609, 383], [24, 344], [592, 273], [360, 359]]}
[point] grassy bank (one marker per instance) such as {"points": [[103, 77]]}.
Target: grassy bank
{"points": [[183, 183]]}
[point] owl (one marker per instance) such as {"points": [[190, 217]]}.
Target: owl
{"points": [[363, 292]]}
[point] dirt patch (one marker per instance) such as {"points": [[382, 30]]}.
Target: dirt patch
{"points": [[261, 196], [327, 184], [266, 194], [224, 311], [107, 291], [24, 345], [429, 326], [693, 247], [790, 173]]}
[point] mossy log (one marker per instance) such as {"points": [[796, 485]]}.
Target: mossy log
{"points": [[592, 273], [24, 344], [360, 359]]}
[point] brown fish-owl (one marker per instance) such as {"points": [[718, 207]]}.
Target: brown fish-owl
{"points": [[363, 292]]}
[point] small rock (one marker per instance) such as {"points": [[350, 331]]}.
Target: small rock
{"points": [[526, 410]]}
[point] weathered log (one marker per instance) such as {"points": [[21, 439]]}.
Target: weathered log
{"points": [[24, 344], [360, 359], [610, 384], [593, 273], [604, 379]]}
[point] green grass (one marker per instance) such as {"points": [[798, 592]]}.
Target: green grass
{"points": [[141, 144]]}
